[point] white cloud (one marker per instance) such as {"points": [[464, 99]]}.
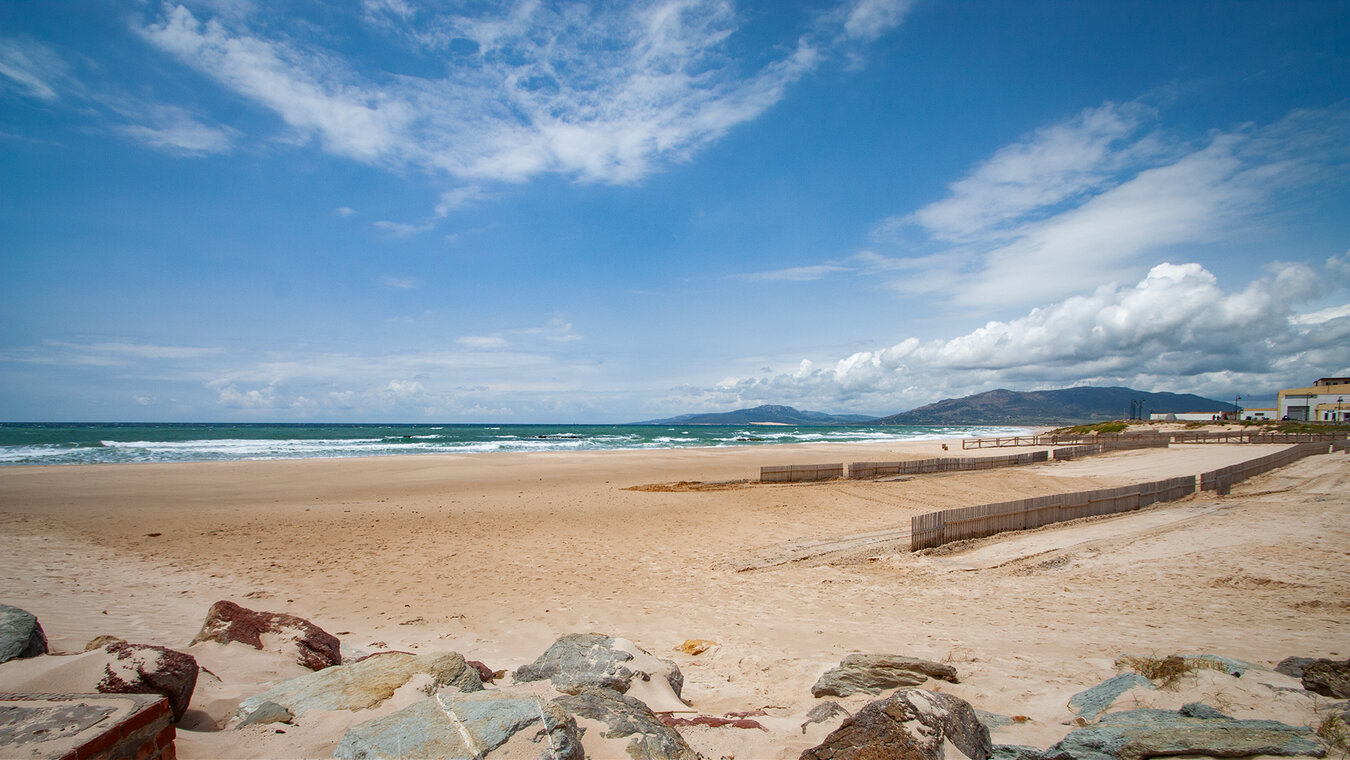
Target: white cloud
{"points": [[1174, 330], [1091, 199], [173, 129], [403, 229], [344, 211], [605, 94], [32, 66], [400, 283], [796, 274]]}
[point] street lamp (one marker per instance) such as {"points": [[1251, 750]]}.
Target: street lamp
{"points": [[1237, 410]]}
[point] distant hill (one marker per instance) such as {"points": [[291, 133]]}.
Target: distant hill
{"points": [[770, 413], [1082, 404]]}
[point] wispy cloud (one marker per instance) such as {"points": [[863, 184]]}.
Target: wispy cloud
{"points": [[32, 67], [796, 274], [399, 283], [403, 229], [605, 94]]}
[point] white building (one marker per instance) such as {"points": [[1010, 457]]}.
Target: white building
{"points": [[1327, 400], [1190, 416]]}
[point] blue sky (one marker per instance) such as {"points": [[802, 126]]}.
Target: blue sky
{"points": [[600, 212]]}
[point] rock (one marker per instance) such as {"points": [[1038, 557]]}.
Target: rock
{"points": [[20, 634], [365, 684], [1091, 703], [875, 673], [1227, 665], [146, 669], [578, 660], [911, 724], [711, 721], [98, 642], [625, 717], [1159, 733], [1202, 711], [1330, 678], [1293, 666], [313, 647], [823, 712], [1014, 752], [485, 674], [992, 721], [457, 726], [267, 712], [696, 646]]}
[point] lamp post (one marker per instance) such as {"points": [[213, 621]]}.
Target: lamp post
{"points": [[1340, 410], [1237, 410]]}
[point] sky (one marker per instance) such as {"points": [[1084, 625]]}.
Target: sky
{"points": [[571, 212]]}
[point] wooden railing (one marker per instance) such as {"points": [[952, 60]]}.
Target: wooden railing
{"points": [[1176, 436]]}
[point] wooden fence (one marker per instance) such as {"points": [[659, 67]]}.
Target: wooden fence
{"points": [[1222, 479], [798, 473], [938, 528], [1176, 436], [1099, 447], [943, 464]]}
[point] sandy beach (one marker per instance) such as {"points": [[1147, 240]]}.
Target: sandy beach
{"points": [[496, 556]]}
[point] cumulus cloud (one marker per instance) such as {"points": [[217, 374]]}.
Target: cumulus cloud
{"points": [[1176, 329], [604, 94], [1093, 198]]}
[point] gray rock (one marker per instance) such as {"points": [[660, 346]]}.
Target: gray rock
{"points": [[1014, 752], [267, 712], [823, 712], [1293, 666], [458, 726], [1136, 734], [875, 673], [1229, 665], [1330, 678], [911, 724], [365, 683], [1202, 711], [625, 717], [992, 721], [20, 634], [1091, 703], [578, 660]]}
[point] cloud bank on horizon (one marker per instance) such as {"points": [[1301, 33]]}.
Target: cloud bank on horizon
{"points": [[595, 212]]}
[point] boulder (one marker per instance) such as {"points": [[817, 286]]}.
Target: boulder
{"points": [[1014, 752], [911, 724], [578, 660], [312, 646], [1293, 666], [146, 669], [267, 712], [1091, 703], [365, 684], [1330, 678], [20, 634], [875, 673], [458, 726], [1137, 734], [98, 642], [626, 717]]}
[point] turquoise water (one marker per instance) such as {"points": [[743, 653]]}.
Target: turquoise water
{"points": [[51, 443]]}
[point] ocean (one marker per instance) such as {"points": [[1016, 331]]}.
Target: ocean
{"points": [[99, 443]]}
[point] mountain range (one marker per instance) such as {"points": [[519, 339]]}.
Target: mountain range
{"points": [[996, 407]]}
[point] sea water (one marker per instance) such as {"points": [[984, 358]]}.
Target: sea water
{"points": [[92, 443]]}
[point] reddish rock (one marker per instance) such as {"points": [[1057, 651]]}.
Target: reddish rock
{"points": [[485, 674], [710, 720], [146, 669], [314, 648]]}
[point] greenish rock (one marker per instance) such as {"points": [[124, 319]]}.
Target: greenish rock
{"points": [[1091, 703], [1201, 710], [1137, 734], [992, 721], [1014, 752], [365, 683], [578, 660], [1229, 665], [20, 634], [875, 673], [459, 726], [625, 717], [1293, 666], [267, 712]]}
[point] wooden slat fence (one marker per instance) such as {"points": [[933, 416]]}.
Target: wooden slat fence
{"points": [[858, 470], [945, 526], [798, 473], [1101, 447], [1178, 436], [1223, 479]]}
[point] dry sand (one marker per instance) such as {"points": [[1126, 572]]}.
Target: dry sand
{"points": [[495, 556]]}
